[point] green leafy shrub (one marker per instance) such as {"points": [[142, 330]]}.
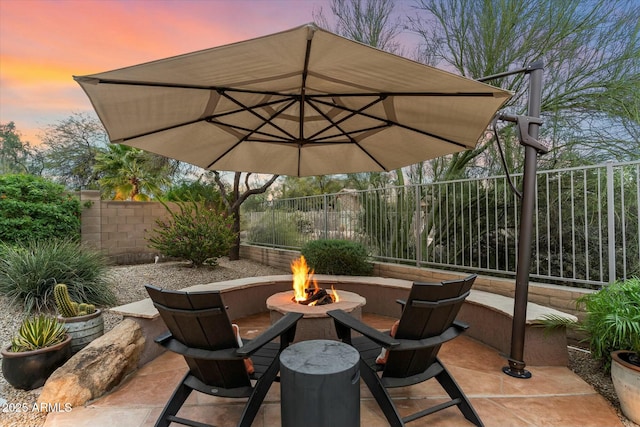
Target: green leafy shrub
{"points": [[340, 257], [34, 208], [613, 319], [38, 332], [29, 272], [193, 233], [196, 191]]}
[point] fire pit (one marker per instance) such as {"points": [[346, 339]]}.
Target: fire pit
{"points": [[313, 300]]}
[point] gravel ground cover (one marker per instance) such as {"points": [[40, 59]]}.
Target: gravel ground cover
{"points": [[128, 285]]}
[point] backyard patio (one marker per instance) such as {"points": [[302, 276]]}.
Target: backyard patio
{"points": [[554, 396]]}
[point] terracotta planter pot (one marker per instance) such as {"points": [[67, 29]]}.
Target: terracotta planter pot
{"points": [[30, 369], [83, 329], [626, 382]]}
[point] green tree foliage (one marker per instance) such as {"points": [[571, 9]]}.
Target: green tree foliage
{"points": [[311, 185], [340, 257], [194, 233], [35, 208], [128, 173], [69, 149], [15, 155], [30, 271], [591, 52], [197, 191]]}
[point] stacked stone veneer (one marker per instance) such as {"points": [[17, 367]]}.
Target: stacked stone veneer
{"points": [[120, 228]]}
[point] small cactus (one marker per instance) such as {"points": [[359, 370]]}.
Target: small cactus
{"points": [[63, 301], [67, 307]]}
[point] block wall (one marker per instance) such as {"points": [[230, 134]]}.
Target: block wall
{"points": [[120, 228]]}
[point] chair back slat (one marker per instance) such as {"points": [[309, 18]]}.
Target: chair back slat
{"points": [[200, 320], [431, 308]]}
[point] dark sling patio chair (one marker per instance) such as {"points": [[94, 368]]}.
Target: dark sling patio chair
{"points": [[428, 320], [200, 330]]}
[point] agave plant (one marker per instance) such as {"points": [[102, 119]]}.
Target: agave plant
{"points": [[38, 332]]}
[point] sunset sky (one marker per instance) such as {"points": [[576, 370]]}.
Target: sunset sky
{"points": [[43, 43]]}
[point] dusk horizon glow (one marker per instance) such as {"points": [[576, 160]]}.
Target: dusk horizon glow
{"points": [[44, 43]]}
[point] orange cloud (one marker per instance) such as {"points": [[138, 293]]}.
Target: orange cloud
{"points": [[31, 70], [43, 43]]}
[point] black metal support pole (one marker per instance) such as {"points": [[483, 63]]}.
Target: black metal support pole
{"points": [[516, 358]]}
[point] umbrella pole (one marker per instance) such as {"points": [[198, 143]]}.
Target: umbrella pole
{"points": [[528, 127]]}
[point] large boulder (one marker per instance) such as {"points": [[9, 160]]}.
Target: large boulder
{"points": [[97, 368]]}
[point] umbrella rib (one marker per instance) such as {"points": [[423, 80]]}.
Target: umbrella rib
{"points": [[356, 94], [391, 122], [243, 108], [303, 86], [251, 132], [248, 130], [160, 130], [348, 134], [251, 111], [353, 114], [207, 119], [268, 92], [325, 140]]}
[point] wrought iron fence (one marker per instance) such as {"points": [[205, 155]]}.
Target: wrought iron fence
{"points": [[586, 225]]}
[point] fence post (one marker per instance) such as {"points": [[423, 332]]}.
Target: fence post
{"points": [[418, 226], [273, 226], [326, 215], [611, 225]]}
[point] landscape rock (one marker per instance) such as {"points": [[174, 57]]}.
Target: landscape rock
{"points": [[96, 369]]}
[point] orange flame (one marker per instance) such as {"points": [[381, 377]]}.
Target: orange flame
{"points": [[302, 276], [334, 296]]}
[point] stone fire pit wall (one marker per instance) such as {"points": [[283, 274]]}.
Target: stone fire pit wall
{"points": [[490, 315]]}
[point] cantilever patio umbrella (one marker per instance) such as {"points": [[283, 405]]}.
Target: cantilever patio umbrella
{"points": [[300, 102], [307, 102]]}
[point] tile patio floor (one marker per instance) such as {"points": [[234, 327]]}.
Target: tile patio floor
{"points": [[554, 396]]}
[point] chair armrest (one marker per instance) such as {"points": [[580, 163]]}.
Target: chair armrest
{"points": [[351, 322], [276, 330], [170, 343], [463, 326], [450, 333], [402, 302]]}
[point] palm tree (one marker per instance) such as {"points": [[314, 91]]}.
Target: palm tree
{"points": [[128, 173]]}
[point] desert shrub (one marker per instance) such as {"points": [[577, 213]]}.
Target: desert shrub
{"points": [[341, 257], [194, 233], [34, 208], [29, 272]]}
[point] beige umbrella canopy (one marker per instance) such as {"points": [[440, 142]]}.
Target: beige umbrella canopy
{"points": [[301, 102]]}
